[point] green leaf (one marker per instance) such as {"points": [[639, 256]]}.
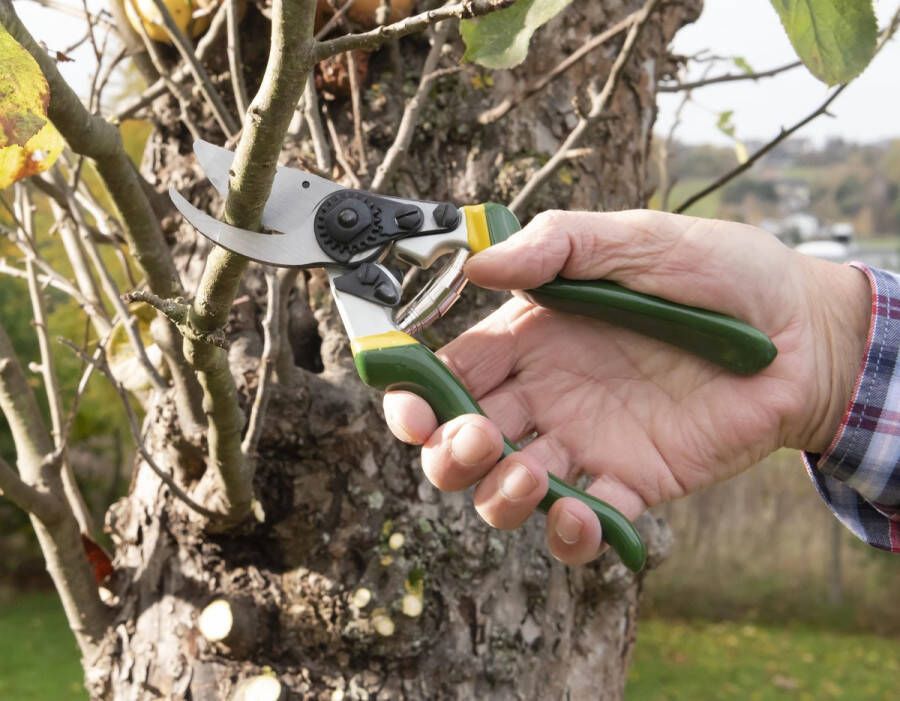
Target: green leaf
{"points": [[742, 64], [835, 39], [724, 123], [29, 143], [500, 39], [24, 93]]}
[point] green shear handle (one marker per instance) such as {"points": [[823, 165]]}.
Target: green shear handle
{"points": [[721, 339], [396, 361]]}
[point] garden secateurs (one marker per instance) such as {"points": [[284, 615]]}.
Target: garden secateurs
{"points": [[309, 221]]}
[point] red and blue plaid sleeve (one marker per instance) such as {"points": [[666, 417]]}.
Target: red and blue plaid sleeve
{"points": [[859, 474]]}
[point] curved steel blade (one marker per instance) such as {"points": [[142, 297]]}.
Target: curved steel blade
{"points": [[294, 249]]}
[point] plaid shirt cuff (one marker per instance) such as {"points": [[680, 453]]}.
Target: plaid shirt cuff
{"points": [[858, 476]]}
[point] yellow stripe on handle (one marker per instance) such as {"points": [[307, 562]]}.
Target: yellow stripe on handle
{"points": [[477, 228], [377, 341]]}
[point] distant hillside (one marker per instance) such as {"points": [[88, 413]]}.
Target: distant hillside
{"points": [[841, 182]]}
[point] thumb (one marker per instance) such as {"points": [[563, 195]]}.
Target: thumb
{"points": [[530, 258]]}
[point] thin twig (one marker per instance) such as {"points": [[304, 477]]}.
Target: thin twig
{"points": [[98, 360], [131, 107], [727, 78], [235, 65], [334, 20], [271, 326], [356, 108], [186, 49], [48, 369], [599, 102], [339, 151], [510, 103], [313, 116], [409, 120], [415, 23], [128, 320], [885, 36]]}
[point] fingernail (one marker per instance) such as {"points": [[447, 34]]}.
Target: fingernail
{"points": [[568, 528], [398, 427], [470, 445], [517, 483]]}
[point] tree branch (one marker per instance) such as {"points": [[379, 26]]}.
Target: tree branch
{"points": [[728, 78], [98, 360], [47, 367], [510, 103], [158, 88], [44, 506], [201, 77], [598, 106], [410, 118], [59, 537], [235, 65], [94, 137], [252, 174], [416, 23], [885, 36], [271, 325]]}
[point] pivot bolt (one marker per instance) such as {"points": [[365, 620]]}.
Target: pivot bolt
{"points": [[347, 218]]}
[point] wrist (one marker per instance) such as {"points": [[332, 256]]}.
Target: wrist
{"points": [[839, 300]]}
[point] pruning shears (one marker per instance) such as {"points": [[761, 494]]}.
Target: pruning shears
{"points": [[311, 222]]}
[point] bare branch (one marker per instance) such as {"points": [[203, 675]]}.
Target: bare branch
{"points": [[235, 64], [359, 141], [313, 115], [186, 50], [94, 137], [339, 153], [596, 112], [510, 103], [178, 312], [334, 20], [47, 366], [410, 118], [728, 78], [43, 505], [127, 319], [271, 326], [59, 536], [98, 361], [158, 88], [415, 23], [885, 36]]}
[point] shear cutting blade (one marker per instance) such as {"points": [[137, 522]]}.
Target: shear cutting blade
{"points": [[295, 193], [293, 249]]}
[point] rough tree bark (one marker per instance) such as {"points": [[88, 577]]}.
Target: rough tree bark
{"points": [[347, 525]]}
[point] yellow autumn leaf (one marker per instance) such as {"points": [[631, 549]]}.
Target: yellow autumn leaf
{"points": [[37, 155], [29, 143]]}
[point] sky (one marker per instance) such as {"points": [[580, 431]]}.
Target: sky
{"points": [[869, 110]]}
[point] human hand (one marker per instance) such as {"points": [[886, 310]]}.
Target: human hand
{"points": [[647, 421]]}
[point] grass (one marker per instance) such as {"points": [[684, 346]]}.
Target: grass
{"points": [[674, 660], [38, 658], [711, 661]]}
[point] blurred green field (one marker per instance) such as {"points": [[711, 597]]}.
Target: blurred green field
{"points": [[38, 657], [710, 661], [674, 660]]}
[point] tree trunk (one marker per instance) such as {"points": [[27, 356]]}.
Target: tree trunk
{"points": [[359, 580]]}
